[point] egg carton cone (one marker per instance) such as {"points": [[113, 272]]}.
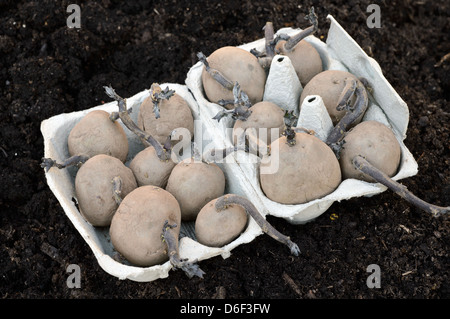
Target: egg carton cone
{"points": [[338, 52], [55, 131]]}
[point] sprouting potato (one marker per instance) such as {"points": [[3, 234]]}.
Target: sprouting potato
{"points": [[254, 123], [215, 228], [264, 115], [373, 141], [225, 218], [304, 58], [95, 190], [371, 152], [96, 134], [149, 169], [194, 183], [329, 85], [307, 170], [137, 225], [234, 65], [169, 114], [146, 227]]}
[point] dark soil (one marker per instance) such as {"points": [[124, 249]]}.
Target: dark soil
{"points": [[48, 69]]}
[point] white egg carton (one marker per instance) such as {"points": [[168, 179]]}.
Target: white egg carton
{"points": [[241, 170], [61, 181], [339, 52]]}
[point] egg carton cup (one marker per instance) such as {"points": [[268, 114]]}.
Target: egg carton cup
{"points": [[339, 52], [55, 131]]}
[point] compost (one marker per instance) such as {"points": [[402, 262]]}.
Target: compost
{"points": [[47, 69]]}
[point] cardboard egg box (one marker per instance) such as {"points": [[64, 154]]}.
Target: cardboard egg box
{"points": [[62, 183], [339, 52]]}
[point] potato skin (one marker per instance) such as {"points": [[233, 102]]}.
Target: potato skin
{"points": [[328, 85], [217, 228], [137, 226], [96, 134], [174, 113], [374, 141], [235, 64], [194, 184], [264, 114], [94, 188], [307, 170], [149, 169], [305, 60]]}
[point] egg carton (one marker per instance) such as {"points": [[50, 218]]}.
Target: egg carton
{"points": [[55, 131], [339, 52]]}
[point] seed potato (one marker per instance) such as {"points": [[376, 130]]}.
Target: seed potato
{"points": [[136, 227], [328, 85], [264, 115], [174, 113], [306, 171], [97, 134], [94, 188], [215, 228], [237, 65], [149, 169], [194, 184], [374, 141], [305, 60]]}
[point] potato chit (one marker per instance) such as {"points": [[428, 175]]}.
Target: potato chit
{"points": [[304, 57], [146, 228], [216, 228], [164, 111], [224, 218], [330, 85], [96, 134], [149, 169], [264, 117], [194, 183], [94, 187], [99, 183], [163, 151], [374, 140], [228, 65], [251, 120], [307, 169], [371, 152]]}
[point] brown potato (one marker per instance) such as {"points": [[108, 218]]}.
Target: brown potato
{"points": [[138, 223], [264, 115], [306, 171], [372, 153], [195, 183], [237, 65], [304, 58], [97, 134], [149, 169], [376, 143], [215, 228], [174, 113], [329, 85], [94, 188]]}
